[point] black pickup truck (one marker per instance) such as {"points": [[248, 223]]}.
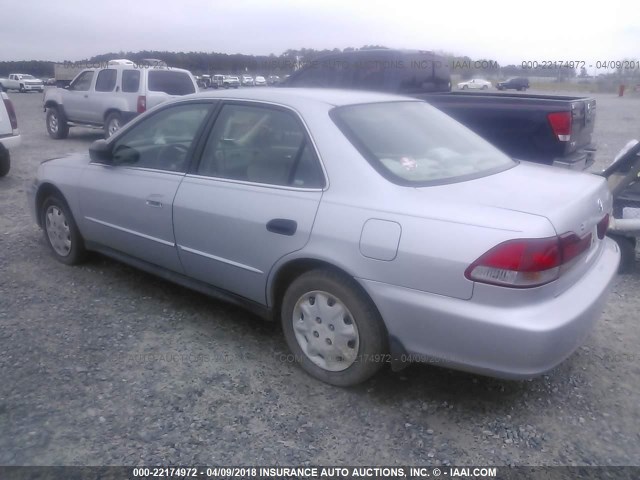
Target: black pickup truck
{"points": [[554, 130]]}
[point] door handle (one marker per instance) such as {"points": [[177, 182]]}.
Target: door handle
{"points": [[282, 226], [153, 201]]}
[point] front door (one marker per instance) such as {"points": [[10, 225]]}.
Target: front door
{"points": [[127, 205]]}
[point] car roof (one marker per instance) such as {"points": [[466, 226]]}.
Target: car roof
{"points": [[300, 96]]}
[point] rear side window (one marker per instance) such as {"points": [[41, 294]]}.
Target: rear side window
{"points": [[130, 81], [261, 145], [414, 144], [423, 73], [172, 83], [106, 80]]}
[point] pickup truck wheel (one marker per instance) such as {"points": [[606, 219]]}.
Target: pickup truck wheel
{"points": [[5, 161], [22, 90], [112, 124], [56, 124], [333, 328]]}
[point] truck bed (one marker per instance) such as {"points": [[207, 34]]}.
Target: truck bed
{"points": [[519, 124]]}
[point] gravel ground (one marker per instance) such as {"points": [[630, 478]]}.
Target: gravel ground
{"points": [[103, 365]]}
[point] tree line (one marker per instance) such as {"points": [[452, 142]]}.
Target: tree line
{"points": [[211, 63]]}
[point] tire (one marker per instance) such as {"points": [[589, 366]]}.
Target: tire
{"points": [[60, 231], [464, 87], [57, 126], [333, 297], [22, 90], [485, 87], [112, 124], [627, 247], [3, 88], [5, 161]]}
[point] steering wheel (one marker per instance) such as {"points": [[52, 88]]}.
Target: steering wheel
{"points": [[173, 156]]}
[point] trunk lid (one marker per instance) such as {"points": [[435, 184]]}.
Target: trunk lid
{"points": [[571, 201]]}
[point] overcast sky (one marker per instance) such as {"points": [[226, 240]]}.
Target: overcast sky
{"points": [[509, 32]]}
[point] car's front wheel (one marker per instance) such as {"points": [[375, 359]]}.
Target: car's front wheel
{"points": [[61, 231], [57, 126], [333, 328]]}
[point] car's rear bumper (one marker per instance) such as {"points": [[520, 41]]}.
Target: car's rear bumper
{"points": [[520, 341]]}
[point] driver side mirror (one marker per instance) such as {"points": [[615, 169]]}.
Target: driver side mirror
{"points": [[100, 152]]}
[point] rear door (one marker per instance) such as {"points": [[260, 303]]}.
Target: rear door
{"points": [[251, 199], [101, 96]]}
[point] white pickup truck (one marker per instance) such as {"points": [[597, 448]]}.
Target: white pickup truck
{"points": [[22, 82], [9, 134]]}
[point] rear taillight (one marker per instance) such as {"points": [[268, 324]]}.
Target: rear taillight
{"points": [[528, 262], [12, 114], [142, 104], [561, 125]]}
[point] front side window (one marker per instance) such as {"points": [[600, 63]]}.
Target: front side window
{"points": [[161, 141], [261, 145], [413, 143], [106, 80], [82, 82], [170, 82]]}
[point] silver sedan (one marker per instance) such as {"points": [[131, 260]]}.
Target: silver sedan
{"points": [[374, 227]]}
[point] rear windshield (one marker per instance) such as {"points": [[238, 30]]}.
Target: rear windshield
{"points": [[412, 143], [170, 82]]}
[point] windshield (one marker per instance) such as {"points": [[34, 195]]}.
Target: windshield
{"points": [[412, 143]]}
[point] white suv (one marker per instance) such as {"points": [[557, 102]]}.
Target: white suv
{"points": [[111, 96]]}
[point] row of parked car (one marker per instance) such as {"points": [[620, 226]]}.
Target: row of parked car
{"points": [[235, 81], [516, 83]]}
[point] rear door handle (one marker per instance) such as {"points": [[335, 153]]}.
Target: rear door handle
{"points": [[282, 226], [154, 201]]}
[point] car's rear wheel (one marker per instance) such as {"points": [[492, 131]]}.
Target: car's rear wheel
{"points": [[5, 161], [61, 232], [333, 328], [112, 124], [484, 87], [57, 126]]}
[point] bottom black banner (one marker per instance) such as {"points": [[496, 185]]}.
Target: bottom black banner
{"points": [[318, 472]]}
